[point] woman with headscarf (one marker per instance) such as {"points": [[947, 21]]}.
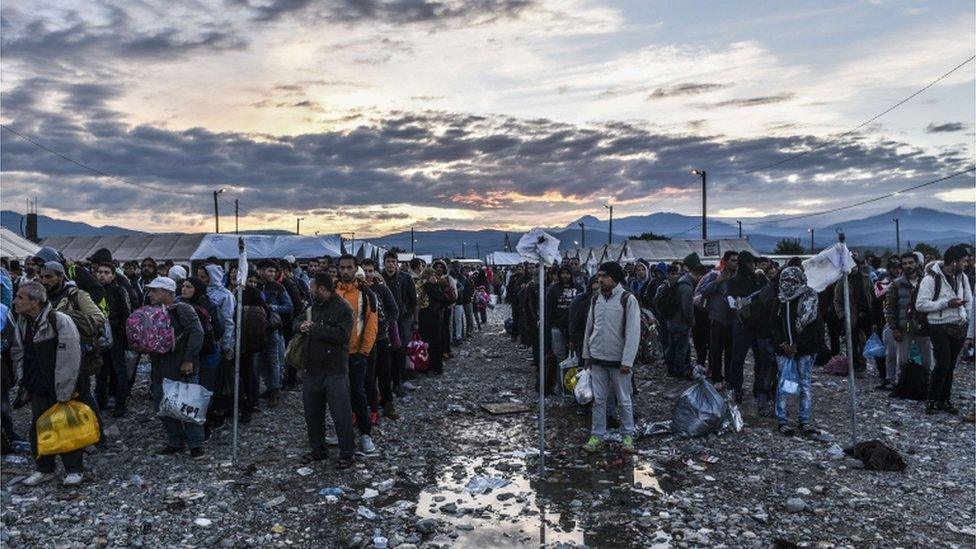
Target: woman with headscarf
{"points": [[194, 292], [430, 316], [797, 336], [642, 276]]}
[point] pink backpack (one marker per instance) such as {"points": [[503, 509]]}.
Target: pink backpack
{"points": [[418, 359], [149, 330], [838, 365]]}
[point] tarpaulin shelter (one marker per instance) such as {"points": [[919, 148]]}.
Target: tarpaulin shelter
{"points": [[261, 246], [178, 247], [504, 258], [676, 250], [15, 246], [404, 258]]}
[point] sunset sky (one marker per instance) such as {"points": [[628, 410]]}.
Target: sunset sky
{"points": [[372, 116]]}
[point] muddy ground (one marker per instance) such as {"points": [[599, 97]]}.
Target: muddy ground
{"points": [[750, 489]]}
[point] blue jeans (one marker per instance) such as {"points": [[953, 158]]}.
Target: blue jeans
{"points": [[178, 433], [270, 360], [804, 366], [676, 355]]}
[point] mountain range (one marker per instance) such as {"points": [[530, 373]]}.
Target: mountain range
{"points": [[934, 227]]}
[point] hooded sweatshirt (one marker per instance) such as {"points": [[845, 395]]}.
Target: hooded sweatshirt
{"points": [[223, 299], [937, 306]]}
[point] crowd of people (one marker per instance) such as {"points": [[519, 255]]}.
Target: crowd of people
{"points": [[65, 338], [919, 306], [338, 329]]}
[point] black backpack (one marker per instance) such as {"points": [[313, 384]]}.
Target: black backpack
{"points": [[918, 322], [668, 301]]}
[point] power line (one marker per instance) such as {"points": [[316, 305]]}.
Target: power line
{"points": [[96, 170], [863, 202], [855, 128]]}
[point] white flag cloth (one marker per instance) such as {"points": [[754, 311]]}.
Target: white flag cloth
{"points": [[536, 245], [828, 266], [242, 267]]}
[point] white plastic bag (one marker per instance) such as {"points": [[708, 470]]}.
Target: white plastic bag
{"points": [[184, 401], [584, 388]]}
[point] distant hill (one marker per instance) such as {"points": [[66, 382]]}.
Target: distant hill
{"points": [[878, 231]]}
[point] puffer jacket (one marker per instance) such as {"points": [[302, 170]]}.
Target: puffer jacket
{"points": [[937, 306], [713, 294], [898, 299], [56, 350]]}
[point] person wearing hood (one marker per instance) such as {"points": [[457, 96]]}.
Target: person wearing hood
{"points": [[431, 302], [797, 331], [273, 356], [711, 293], [193, 291], [642, 276], [114, 369], [84, 279], [177, 273], [945, 295], [212, 276], [559, 298], [745, 331]]}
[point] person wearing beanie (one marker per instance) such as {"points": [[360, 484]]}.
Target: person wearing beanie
{"points": [[711, 293], [743, 287], [610, 344]]}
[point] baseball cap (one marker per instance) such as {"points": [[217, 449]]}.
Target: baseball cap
{"points": [[54, 266], [164, 282]]}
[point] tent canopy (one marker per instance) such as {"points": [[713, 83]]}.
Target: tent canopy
{"points": [[15, 246], [178, 247], [504, 258], [260, 246]]}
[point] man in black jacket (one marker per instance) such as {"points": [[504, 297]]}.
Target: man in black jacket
{"points": [[743, 284], [114, 368], [404, 291], [326, 379]]}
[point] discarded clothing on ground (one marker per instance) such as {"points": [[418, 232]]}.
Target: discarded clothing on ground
{"points": [[877, 456]]}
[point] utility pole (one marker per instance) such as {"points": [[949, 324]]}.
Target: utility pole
{"points": [[582, 234], [462, 249], [897, 236], [237, 228], [704, 223], [740, 228], [477, 249], [216, 212], [298, 225], [610, 232], [812, 252], [412, 239]]}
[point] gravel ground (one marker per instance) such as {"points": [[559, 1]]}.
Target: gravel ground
{"points": [[750, 489]]}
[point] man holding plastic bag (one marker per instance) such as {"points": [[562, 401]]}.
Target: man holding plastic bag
{"points": [[798, 336], [180, 365], [46, 347]]}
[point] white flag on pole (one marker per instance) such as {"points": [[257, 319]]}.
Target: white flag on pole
{"points": [[828, 266], [242, 267], [537, 245]]}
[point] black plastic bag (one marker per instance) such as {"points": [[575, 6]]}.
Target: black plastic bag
{"points": [[700, 410], [913, 382]]}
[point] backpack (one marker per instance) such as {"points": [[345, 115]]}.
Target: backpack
{"points": [[668, 301], [149, 330], [481, 300], [649, 351], [838, 365], [918, 322], [90, 333], [209, 340], [913, 382], [418, 359], [255, 330]]}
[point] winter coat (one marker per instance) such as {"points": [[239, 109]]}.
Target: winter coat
{"points": [[404, 290], [559, 297], [609, 336], [713, 294], [937, 306], [224, 301], [51, 361], [387, 310], [898, 299], [119, 308], [189, 339], [808, 342], [327, 346]]}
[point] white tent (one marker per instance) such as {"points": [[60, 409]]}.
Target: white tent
{"points": [[404, 258], [15, 246], [260, 246], [504, 258]]}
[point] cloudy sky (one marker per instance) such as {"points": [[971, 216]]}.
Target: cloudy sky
{"points": [[372, 116]]}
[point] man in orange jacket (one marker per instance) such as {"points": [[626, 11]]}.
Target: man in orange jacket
{"points": [[361, 340]]}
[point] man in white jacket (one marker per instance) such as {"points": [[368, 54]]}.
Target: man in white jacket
{"points": [[610, 346], [944, 294]]}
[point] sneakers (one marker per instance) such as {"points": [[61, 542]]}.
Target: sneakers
{"points": [[948, 408], [389, 411], [627, 446], [593, 444], [197, 453], [72, 480], [366, 444], [408, 386], [37, 478], [168, 450], [331, 440], [785, 429]]}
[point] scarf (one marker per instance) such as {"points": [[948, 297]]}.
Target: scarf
{"points": [[793, 285]]}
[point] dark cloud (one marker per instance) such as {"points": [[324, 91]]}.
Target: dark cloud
{"points": [[429, 158], [948, 127], [690, 88], [388, 11], [755, 101]]}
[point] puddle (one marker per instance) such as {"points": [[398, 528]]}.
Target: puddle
{"points": [[516, 515]]}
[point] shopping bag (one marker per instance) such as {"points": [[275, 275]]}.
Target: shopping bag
{"points": [[184, 401], [418, 358], [295, 353], [66, 426], [789, 379], [567, 371], [874, 347], [584, 388]]}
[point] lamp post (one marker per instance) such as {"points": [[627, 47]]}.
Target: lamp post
{"points": [[897, 236], [412, 240], [217, 212], [462, 248], [701, 173], [477, 249], [582, 227], [610, 232], [740, 228], [237, 227], [811, 241], [298, 225]]}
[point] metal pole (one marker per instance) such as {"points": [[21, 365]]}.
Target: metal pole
{"points": [[237, 345], [298, 226], [412, 239], [236, 213], [542, 368], [582, 235], [610, 232], [477, 249], [216, 215], [897, 236], [704, 209], [850, 349], [812, 252], [740, 228], [462, 250]]}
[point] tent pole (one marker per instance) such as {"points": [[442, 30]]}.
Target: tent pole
{"points": [[850, 349], [237, 344], [542, 368]]}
